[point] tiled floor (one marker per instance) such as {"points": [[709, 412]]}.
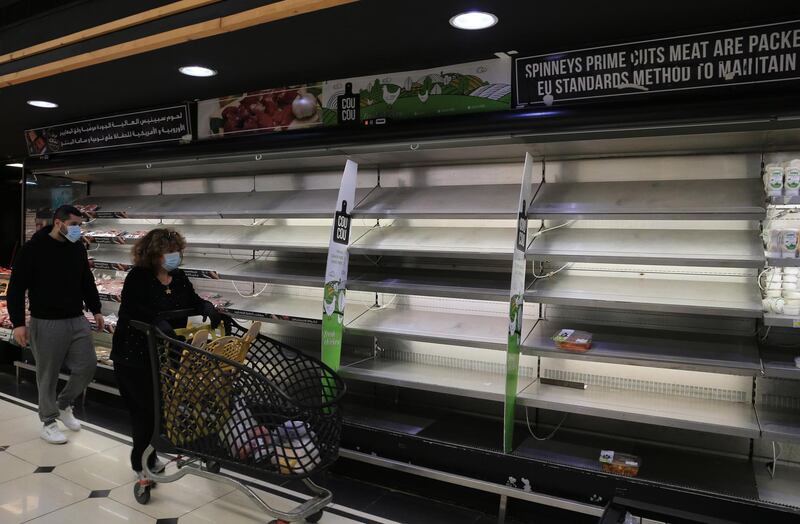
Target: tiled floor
{"points": [[89, 480]]}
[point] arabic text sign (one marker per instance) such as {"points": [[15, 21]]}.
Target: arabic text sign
{"points": [[143, 127], [752, 55]]}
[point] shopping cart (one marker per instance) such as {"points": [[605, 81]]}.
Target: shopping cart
{"points": [[273, 416]]}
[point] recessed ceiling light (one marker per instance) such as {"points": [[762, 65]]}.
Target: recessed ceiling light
{"points": [[472, 20], [42, 103], [14, 164], [197, 71]]}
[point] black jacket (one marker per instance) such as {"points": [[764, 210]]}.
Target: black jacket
{"points": [[144, 298], [56, 276]]}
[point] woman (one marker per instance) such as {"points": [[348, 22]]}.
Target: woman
{"points": [[153, 286]]}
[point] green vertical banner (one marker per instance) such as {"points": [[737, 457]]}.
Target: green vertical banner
{"points": [[516, 304], [333, 300]]}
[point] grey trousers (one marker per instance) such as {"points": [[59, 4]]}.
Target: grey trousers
{"points": [[57, 343]]}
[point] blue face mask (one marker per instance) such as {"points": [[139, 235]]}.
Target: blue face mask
{"points": [[171, 261], [73, 233]]}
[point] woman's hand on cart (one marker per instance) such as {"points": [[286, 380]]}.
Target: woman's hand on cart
{"points": [[210, 312]]}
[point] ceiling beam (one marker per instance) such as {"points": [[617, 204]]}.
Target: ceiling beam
{"points": [[217, 26], [104, 29]]}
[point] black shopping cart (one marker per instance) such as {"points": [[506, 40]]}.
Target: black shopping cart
{"points": [[274, 416]]}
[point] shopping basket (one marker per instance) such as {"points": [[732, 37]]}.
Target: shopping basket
{"points": [[275, 415]]}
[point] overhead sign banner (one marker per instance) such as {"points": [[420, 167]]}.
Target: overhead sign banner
{"points": [[265, 111], [166, 124], [472, 87], [750, 55], [516, 304], [333, 300]]}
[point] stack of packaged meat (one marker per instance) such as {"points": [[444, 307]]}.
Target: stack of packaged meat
{"points": [[5, 320], [107, 285], [111, 322]]}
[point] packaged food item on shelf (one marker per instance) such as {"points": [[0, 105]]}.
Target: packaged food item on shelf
{"points": [[789, 243], [573, 340], [791, 294], [619, 463], [791, 180], [103, 355], [773, 180], [136, 235], [773, 305], [774, 243]]}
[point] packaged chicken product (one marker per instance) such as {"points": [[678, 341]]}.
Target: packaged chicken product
{"points": [[573, 340], [619, 463]]}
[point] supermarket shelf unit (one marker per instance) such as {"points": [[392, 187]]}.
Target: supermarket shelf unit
{"points": [[693, 266], [441, 269], [430, 260]]}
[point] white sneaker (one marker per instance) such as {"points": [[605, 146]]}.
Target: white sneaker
{"points": [[69, 420], [158, 467], [50, 433]]}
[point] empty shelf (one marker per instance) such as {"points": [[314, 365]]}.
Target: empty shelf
{"points": [[318, 203], [725, 299], [285, 309], [674, 247], [775, 320], [779, 363], [783, 262], [779, 424], [716, 416], [658, 199], [452, 381], [477, 201], [306, 239], [277, 272], [456, 328], [450, 242], [431, 282], [639, 347]]}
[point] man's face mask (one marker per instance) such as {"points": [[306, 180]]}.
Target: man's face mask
{"points": [[71, 231]]}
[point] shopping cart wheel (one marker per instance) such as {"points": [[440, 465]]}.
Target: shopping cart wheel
{"points": [[141, 493], [314, 518], [212, 466]]}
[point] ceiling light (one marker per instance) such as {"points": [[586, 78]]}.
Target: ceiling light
{"points": [[42, 103], [197, 71], [14, 164], [472, 20]]}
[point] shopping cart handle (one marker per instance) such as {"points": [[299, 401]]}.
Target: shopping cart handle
{"points": [[144, 327], [177, 313]]}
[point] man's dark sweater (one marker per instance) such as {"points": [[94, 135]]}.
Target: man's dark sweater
{"points": [[57, 277]]}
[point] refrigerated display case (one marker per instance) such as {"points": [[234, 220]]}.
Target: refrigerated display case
{"points": [[648, 239]]}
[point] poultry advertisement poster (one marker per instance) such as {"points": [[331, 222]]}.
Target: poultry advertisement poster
{"points": [[463, 88]]}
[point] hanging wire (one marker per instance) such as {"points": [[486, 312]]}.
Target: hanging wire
{"points": [[384, 306], [552, 433], [233, 283], [542, 231], [550, 274]]}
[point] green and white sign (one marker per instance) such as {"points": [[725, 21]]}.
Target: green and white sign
{"points": [[336, 270], [516, 304], [472, 87]]}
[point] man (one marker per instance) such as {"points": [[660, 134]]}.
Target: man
{"points": [[54, 269]]}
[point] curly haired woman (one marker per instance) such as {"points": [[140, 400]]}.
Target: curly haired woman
{"points": [[153, 286]]}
